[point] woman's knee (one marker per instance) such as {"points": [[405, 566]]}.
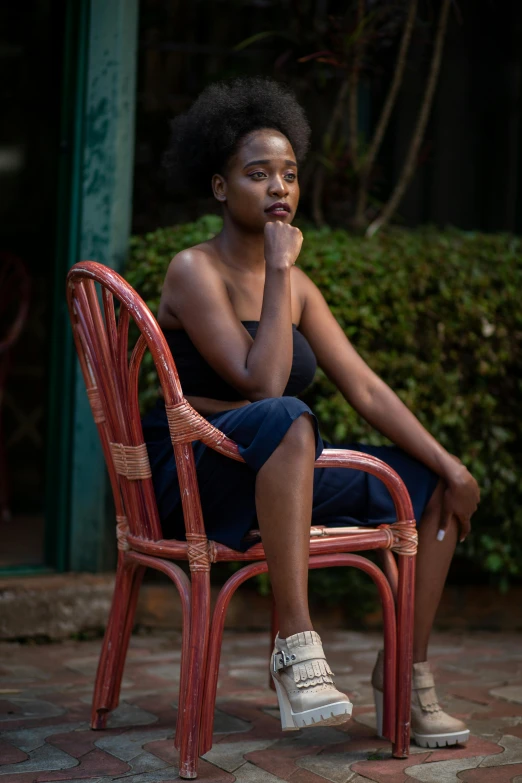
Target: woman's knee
{"points": [[301, 434]]}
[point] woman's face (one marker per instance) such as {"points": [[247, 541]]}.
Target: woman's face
{"points": [[260, 184]]}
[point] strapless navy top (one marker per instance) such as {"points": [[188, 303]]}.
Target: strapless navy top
{"points": [[200, 380]]}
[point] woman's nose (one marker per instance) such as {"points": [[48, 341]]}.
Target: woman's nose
{"points": [[278, 186]]}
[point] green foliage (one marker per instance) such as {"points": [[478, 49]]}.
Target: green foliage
{"points": [[437, 315]]}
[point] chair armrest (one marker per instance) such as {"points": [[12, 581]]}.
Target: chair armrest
{"points": [[345, 458]]}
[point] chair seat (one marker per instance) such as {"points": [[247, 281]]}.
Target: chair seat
{"points": [[323, 540]]}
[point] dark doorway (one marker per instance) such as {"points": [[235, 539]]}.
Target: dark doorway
{"points": [[31, 41]]}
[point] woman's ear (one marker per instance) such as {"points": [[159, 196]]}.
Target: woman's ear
{"points": [[219, 187]]}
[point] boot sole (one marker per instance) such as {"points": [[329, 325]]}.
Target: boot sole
{"points": [[440, 740], [328, 715], [422, 740]]}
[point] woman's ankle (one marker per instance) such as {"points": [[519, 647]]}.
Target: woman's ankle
{"points": [[290, 628]]}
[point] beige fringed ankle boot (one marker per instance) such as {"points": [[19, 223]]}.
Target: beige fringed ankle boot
{"points": [[431, 727], [304, 684]]}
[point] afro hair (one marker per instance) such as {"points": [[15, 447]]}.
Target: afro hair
{"points": [[203, 140]]}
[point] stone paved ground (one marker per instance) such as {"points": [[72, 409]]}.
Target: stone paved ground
{"points": [[44, 710]]}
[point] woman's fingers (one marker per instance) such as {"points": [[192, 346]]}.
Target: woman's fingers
{"points": [[445, 522], [465, 528]]}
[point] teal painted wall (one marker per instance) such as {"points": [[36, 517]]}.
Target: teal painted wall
{"points": [[108, 151], [97, 189]]}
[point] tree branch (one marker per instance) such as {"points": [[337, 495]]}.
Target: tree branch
{"points": [[418, 134], [382, 124], [354, 87], [317, 194]]}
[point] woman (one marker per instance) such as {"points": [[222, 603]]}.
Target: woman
{"points": [[246, 328]]}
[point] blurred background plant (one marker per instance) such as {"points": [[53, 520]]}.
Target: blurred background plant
{"points": [[437, 315]]}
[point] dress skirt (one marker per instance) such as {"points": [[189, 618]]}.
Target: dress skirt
{"points": [[342, 497]]}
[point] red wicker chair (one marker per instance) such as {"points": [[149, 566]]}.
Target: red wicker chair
{"points": [[112, 386]]}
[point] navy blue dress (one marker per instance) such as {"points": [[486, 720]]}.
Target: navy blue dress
{"points": [[342, 497]]}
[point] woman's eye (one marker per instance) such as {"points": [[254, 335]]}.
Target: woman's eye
{"points": [[291, 176], [258, 175]]}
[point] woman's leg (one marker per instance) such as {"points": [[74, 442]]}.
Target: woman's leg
{"points": [[284, 490], [433, 560]]}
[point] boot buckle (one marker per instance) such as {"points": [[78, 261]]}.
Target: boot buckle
{"points": [[281, 660]]}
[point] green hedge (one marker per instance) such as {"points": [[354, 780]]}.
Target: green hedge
{"points": [[437, 315]]}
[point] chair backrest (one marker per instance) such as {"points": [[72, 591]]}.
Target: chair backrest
{"points": [[111, 376]]}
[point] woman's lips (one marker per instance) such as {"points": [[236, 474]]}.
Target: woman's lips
{"points": [[280, 209]]}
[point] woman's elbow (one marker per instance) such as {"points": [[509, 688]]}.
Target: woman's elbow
{"points": [[265, 391]]}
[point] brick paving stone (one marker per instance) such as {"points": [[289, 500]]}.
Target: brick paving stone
{"points": [[9, 754], [499, 709], [28, 739], [96, 762], [248, 773], [305, 776], [147, 762], [130, 715], [509, 693], [128, 745], [474, 747], [165, 750], [333, 767], [27, 709], [471, 693], [280, 760], [388, 770], [231, 755], [224, 723], [443, 771], [502, 774], [46, 757], [515, 731], [512, 753], [19, 673], [164, 775]]}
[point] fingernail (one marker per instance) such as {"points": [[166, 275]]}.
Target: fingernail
{"points": [[440, 535]]}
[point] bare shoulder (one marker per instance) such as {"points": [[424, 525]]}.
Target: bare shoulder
{"points": [[192, 280], [191, 264]]}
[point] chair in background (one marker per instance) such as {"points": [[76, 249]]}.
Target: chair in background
{"points": [[14, 304], [111, 378]]}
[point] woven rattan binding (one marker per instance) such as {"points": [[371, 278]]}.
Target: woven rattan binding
{"points": [[405, 538], [96, 406], [131, 461], [200, 552], [186, 425], [122, 531]]}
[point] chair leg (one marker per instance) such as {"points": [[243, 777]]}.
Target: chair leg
{"points": [[195, 675], [116, 641], [182, 584], [214, 652], [405, 603], [390, 569]]}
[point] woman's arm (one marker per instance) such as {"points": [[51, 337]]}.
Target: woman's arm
{"points": [[195, 293], [379, 405]]}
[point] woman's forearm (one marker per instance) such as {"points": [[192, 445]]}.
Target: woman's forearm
{"points": [[383, 409], [269, 360]]}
